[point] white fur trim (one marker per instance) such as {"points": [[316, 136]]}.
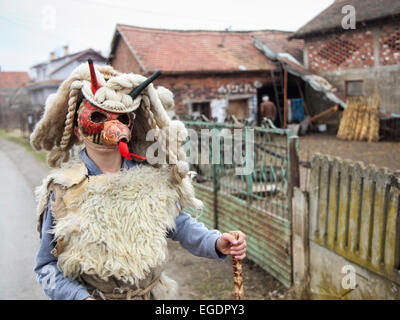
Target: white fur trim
{"points": [[117, 228]]}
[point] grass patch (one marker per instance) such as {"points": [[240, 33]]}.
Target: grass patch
{"points": [[41, 156]]}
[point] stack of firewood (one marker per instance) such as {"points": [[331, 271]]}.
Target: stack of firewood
{"points": [[360, 120]]}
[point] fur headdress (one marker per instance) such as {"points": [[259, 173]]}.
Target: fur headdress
{"points": [[54, 132]]}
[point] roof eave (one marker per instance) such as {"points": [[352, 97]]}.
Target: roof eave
{"points": [[363, 23], [35, 86], [186, 72], [202, 30], [113, 44]]}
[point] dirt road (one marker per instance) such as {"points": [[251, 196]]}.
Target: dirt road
{"points": [[18, 237], [381, 154]]}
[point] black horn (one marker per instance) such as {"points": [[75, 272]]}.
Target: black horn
{"points": [[135, 92]]}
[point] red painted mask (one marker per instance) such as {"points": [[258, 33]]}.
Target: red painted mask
{"points": [[103, 127]]}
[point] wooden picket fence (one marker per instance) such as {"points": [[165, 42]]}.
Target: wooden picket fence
{"points": [[354, 211]]}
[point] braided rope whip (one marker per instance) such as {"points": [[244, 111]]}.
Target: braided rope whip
{"points": [[237, 274]]}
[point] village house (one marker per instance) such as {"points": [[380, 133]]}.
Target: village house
{"points": [[13, 90], [360, 61], [214, 73], [48, 75]]}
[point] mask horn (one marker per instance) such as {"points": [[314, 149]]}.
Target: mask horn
{"points": [[135, 92], [93, 79]]}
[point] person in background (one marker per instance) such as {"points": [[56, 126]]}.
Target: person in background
{"points": [[268, 109]]}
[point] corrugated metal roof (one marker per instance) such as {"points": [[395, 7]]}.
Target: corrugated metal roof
{"points": [[295, 68]]}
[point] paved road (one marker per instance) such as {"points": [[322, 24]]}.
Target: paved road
{"points": [[19, 241]]}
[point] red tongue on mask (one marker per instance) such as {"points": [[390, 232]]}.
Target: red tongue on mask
{"points": [[124, 151]]}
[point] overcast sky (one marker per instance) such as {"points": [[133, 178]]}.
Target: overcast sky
{"points": [[30, 30]]}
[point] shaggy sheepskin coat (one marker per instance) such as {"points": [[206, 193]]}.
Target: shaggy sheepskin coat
{"points": [[110, 230]]}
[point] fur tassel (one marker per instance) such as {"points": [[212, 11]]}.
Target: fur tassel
{"points": [[54, 157], [166, 289], [166, 97]]}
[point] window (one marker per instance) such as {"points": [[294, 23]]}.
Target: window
{"points": [[354, 88], [239, 108], [199, 108]]}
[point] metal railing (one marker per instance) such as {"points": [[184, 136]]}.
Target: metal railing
{"points": [[245, 179]]}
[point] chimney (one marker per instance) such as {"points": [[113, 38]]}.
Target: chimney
{"points": [[52, 56], [66, 50]]}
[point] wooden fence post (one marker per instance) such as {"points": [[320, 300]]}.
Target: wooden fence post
{"points": [[294, 182], [300, 244]]}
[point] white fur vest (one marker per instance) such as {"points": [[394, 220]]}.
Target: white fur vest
{"points": [[114, 225]]}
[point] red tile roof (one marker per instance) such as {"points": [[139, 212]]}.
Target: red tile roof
{"points": [[185, 50], [14, 79]]}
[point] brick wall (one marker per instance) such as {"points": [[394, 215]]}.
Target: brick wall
{"points": [[198, 87], [389, 44], [369, 54], [195, 87], [355, 48], [123, 59], [351, 49]]}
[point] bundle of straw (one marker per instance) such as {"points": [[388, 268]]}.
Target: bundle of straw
{"points": [[373, 134], [366, 118], [360, 120]]}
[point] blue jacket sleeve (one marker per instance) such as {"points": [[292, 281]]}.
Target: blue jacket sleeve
{"points": [[195, 237], [52, 280]]}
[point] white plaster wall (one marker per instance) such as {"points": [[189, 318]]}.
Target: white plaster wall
{"points": [[327, 277]]}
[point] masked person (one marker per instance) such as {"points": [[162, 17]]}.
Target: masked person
{"points": [[105, 212]]}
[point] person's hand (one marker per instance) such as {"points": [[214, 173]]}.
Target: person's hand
{"points": [[90, 298], [227, 244]]}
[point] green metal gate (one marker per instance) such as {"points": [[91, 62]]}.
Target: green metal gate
{"points": [[236, 196]]}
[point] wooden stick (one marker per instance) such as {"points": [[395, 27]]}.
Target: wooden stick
{"points": [[323, 113], [285, 99], [305, 104], [237, 274]]}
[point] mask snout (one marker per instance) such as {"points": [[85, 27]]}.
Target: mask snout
{"points": [[114, 132]]}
